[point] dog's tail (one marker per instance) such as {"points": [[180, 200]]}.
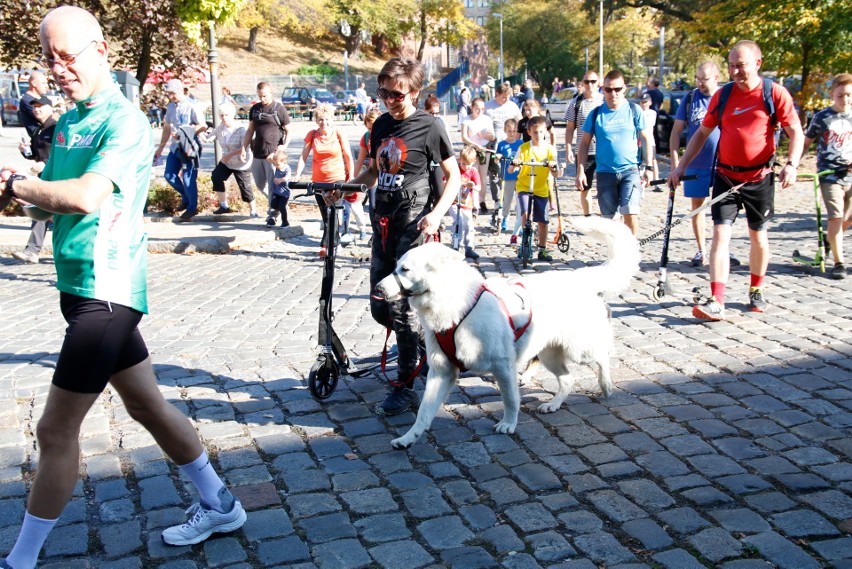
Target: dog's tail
{"points": [[623, 256]]}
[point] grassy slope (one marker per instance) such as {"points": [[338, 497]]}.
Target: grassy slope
{"points": [[279, 54]]}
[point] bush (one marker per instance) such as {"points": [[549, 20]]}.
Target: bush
{"points": [[317, 69], [163, 198]]}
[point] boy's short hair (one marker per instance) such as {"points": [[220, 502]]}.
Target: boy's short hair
{"points": [[468, 153], [840, 80], [278, 155], [510, 122], [502, 88], [535, 122]]}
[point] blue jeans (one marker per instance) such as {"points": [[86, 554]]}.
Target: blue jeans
{"points": [[182, 177], [621, 192]]}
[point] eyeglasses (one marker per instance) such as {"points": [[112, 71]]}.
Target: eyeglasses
{"points": [[590, 81], [392, 96], [614, 89], [63, 60]]}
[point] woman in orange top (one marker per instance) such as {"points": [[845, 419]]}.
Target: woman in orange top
{"points": [[332, 160]]}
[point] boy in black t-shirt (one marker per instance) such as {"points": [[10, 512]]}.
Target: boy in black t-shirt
{"points": [[402, 144]]}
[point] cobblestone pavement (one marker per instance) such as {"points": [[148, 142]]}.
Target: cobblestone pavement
{"points": [[724, 445]]}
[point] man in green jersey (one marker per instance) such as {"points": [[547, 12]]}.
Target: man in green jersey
{"points": [[95, 182]]}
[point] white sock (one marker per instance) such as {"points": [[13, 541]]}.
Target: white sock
{"points": [[33, 533], [208, 483], [223, 203]]}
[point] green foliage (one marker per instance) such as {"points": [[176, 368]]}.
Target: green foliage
{"points": [[547, 36], [323, 69], [195, 14], [163, 198], [437, 22]]}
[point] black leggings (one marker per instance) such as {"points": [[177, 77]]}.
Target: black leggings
{"points": [[395, 232], [222, 172]]}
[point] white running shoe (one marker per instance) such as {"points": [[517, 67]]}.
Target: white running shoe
{"points": [[204, 521]]}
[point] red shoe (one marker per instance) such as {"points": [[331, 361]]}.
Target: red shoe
{"points": [[323, 252]]}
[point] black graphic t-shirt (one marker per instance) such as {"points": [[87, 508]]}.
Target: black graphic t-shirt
{"points": [[268, 128], [403, 149]]}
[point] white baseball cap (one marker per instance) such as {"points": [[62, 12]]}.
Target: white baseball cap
{"points": [[173, 86]]}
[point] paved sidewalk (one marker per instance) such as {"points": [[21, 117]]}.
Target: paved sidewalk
{"points": [[724, 445]]}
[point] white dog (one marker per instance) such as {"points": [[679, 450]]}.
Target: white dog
{"points": [[499, 326]]}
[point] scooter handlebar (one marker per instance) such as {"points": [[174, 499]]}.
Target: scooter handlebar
{"points": [[541, 164], [662, 181], [313, 188]]}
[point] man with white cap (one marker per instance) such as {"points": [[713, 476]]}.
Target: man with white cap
{"points": [[181, 171]]}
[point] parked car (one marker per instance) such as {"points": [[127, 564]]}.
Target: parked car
{"points": [[666, 118], [307, 96], [555, 107], [13, 85], [244, 104], [344, 96]]}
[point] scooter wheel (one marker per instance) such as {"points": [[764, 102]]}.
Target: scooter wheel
{"points": [[658, 293], [563, 243], [696, 295], [322, 379]]}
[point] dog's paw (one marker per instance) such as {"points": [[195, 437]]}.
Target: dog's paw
{"points": [[505, 428], [549, 407], [403, 442]]}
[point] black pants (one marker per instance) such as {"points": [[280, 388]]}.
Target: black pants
{"points": [[395, 232], [222, 172]]}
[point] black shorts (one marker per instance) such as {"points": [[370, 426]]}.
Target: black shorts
{"points": [[102, 339], [757, 198], [589, 169]]}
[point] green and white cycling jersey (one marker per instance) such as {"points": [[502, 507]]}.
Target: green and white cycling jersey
{"points": [[103, 255]]}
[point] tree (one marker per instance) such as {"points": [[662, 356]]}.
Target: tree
{"points": [[141, 33], [682, 10], [797, 37], [304, 16], [438, 22], [357, 21]]}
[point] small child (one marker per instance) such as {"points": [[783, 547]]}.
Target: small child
{"points": [[508, 148], [533, 183], [281, 187], [462, 209], [831, 128]]}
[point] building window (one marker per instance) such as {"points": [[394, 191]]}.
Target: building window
{"points": [[480, 20]]}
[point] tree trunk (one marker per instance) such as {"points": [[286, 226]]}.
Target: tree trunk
{"points": [[252, 41], [353, 42], [143, 65], [423, 36]]}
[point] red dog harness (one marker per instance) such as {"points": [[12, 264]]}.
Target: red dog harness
{"points": [[447, 338]]}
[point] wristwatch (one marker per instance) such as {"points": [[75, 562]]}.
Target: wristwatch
{"points": [[8, 190]]}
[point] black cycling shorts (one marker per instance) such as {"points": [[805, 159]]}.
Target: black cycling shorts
{"points": [[102, 339], [757, 198]]}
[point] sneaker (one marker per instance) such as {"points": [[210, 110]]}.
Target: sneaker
{"points": [[254, 215], [543, 255], [837, 273], [698, 259], [32, 258], [285, 224], [470, 253], [400, 400], [504, 227], [222, 210], [756, 302], [204, 521], [188, 215], [323, 252], [734, 261], [482, 208], [710, 310], [513, 240], [270, 221]]}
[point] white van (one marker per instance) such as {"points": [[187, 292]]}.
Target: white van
{"points": [[13, 85]]}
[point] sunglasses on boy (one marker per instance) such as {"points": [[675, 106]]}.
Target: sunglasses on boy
{"points": [[392, 96], [614, 89]]}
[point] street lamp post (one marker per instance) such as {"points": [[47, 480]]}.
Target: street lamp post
{"points": [[500, 65]]}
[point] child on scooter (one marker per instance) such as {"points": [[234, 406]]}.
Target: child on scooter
{"points": [[508, 148], [533, 185]]}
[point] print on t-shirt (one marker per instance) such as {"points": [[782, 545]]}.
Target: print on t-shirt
{"points": [[392, 154]]}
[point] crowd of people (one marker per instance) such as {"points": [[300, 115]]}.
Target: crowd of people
{"points": [[409, 161]]}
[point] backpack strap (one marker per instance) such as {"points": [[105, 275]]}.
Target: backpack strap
{"points": [[725, 94], [687, 103], [578, 100]]}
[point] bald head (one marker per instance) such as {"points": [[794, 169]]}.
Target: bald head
{"points": [[38, 83], [75, 52], [748, 45], [81, 21], [707, 77]]}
